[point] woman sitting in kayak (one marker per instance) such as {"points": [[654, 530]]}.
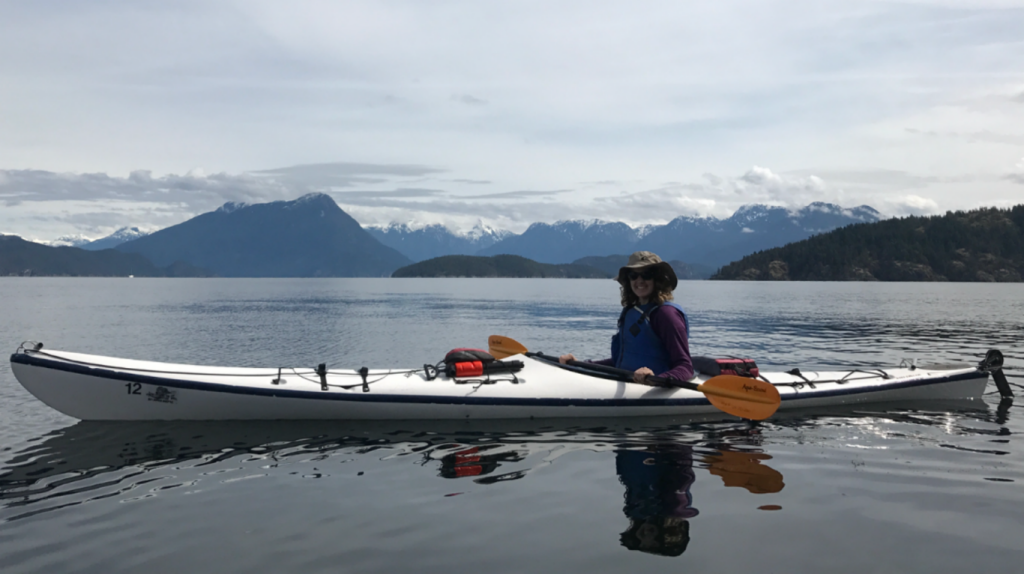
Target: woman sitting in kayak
{"points": [[653, 331]]}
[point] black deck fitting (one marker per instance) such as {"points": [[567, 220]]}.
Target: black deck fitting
{"points": [[993, 363], [321, 370]]}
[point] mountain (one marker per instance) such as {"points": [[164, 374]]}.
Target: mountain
{"points": [[25, 258], [979, 245], [114, 239], [611, 264], [435, 240], [705, 241], [308, 237], [73, 240], [497, 266], [751, 228], [567, 241]]}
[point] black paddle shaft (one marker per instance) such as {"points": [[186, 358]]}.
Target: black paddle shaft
{"points": [[622, 373]]}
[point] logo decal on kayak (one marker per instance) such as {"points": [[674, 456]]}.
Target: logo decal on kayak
{"points": [[163, 395]]}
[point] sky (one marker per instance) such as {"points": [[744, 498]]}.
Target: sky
{"points": [[504, 113]]}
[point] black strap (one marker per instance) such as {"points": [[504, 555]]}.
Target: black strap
{"points": [[644, 316]]}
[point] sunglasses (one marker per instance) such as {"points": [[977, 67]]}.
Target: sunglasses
{"points": [[647, 275]]}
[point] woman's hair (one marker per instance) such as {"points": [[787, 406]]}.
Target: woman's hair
{"points": [[662, 291]]}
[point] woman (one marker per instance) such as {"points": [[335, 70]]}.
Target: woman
{"points": [[653, 335]]}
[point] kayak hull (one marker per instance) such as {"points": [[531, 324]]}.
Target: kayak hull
{"points": [[92, 387]]}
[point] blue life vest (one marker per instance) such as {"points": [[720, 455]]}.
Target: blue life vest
{"points": [[636, 345]]}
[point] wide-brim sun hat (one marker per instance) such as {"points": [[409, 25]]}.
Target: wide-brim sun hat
{"points": [[645, 259]]}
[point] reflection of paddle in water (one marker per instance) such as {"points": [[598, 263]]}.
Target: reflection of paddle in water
{"points": [[744, 469]]}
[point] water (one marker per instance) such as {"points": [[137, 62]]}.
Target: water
{"points": [[926, 487]]}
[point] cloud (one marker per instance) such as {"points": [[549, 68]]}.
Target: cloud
{"points": [[96, 203], [720, 196], [517, 194], [972, 136], [909, 205], [46, 203], [1018, 176], [191, 192], [156, 217], [236, 85], [469, 100], [158, 201], [460, 215], [343, 174], [885, 178], [341, 197], [662, 203]]}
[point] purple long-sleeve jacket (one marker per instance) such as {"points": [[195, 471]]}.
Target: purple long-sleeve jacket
{"points": [[670, 328]]}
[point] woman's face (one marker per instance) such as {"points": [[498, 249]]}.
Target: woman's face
{"points": [[641, 281]]}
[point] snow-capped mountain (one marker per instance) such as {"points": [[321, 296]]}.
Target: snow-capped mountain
{"points": [[72, 240], [751, 228], [567, 241], [485, 235], [307, 237], [116, 238], [436, 240], [695, 240]]}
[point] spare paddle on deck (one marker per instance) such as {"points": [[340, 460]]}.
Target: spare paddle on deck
{"points": [[740, 396]]}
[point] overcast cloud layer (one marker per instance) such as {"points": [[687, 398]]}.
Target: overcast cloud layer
{"points": [[118, 113]]}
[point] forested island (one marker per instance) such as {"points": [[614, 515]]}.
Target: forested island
{"points": [[496, 266], [979, 245], [610, 264]]}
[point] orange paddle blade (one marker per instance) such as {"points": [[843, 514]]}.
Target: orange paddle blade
{"points": [[742, 396], [501, 346]]}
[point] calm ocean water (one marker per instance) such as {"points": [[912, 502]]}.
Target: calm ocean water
{"points": [[925, 487]]}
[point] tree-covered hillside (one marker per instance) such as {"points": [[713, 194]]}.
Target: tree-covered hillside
{"points": [[979, 245], [25, 258], [497, 266], [610, 264]]}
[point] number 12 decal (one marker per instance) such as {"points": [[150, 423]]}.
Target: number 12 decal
{"points": [[134, 388]]}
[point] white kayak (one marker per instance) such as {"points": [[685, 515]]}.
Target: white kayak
{"points": [[93, 387]]}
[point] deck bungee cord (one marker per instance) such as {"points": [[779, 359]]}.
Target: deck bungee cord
{"points": [[277, 375], [34, 348]]}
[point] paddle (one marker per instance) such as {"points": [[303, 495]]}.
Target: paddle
{"points": [[740, 396]]}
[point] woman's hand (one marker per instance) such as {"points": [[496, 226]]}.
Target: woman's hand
{"points": [[640, 375], [564, 359]]}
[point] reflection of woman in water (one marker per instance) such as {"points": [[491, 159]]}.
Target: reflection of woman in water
{"points": [[658, 499]]}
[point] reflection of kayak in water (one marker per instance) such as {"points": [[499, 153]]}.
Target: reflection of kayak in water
{"points": [[92, 387], [94, 460]]}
